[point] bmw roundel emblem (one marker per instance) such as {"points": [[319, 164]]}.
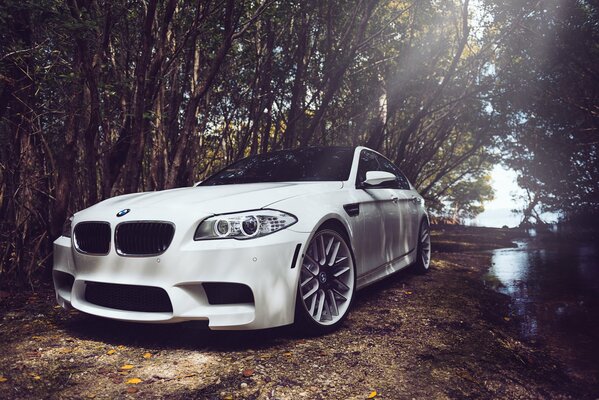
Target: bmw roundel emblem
{"points": [[123, 212]]}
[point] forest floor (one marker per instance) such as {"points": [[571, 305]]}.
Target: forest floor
{"points": [[441, 335]]}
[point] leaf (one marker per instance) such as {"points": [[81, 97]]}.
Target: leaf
{"points": [[133, 381], [127, 367], [506, 319], [36, 377], [3, 379], [248, 372], [111, 352], [288, 354], [372, 394], [147, 355]]}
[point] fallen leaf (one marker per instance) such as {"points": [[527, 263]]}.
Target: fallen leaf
{"points": [[147, 355], [288, 354], [228, 397], [372, 394], [127, 367], [248, 372], [131, 390], [121, 347], [184, 376], [111, 352], [133, 381], [3, 379], [36, 377], [506, 318]]}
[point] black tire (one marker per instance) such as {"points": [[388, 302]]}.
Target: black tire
{"points": [[321, 277], [423, 250]]}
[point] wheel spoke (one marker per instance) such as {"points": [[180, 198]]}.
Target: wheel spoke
{"points": [[340, 260], [334, 255], [329, 245], [323, 258], [310, 292], [312, 305], [333, 303], [342, 284], [327, 315], [306, 281], [320, 295], [341, 272], [313, 261], [424, 237], [336, 292]]}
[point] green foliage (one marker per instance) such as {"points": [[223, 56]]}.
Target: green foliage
{"points": [[547, 95], [99, 98]]}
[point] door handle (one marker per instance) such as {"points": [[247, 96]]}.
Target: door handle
{"points": [[416, 200], [395, 199]]}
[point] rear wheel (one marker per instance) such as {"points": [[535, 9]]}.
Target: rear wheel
{"points": [[326, 285], [423, 252]]}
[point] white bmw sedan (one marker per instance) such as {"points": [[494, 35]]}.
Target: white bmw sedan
{"points": [[273, 239]]}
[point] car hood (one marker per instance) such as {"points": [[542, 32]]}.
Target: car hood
{"points": [[208, 199]]}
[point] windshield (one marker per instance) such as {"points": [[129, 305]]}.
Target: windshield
{"points": [[308, 164]]}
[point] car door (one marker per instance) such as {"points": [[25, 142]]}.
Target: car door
{"points": [[379, 218], [407, 204]]}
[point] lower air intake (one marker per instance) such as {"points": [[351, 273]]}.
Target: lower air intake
{"points": [[228, 293], [128, 297]]}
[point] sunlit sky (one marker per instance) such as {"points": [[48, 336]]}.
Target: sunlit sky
{"points": [[499, 211]]}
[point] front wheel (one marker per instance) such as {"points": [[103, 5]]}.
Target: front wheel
{"points": [[423, 252], [326, 284]]}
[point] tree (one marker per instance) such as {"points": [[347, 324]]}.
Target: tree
{"points": [[547, 98], [101, 98]]}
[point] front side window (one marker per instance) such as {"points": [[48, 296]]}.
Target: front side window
{"points": [[370, 161], [388, 166]]}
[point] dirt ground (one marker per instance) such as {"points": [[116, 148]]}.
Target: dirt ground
{"points": [[437, 336]]}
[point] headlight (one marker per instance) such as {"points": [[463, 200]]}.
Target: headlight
{"points": [[243, 225], [66, 227]]}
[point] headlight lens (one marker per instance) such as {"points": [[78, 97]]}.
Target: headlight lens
{"points": [[66, 227], [243, 225]]}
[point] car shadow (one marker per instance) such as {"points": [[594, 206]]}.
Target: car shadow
{"points": [[192, 335], [371, 292]]}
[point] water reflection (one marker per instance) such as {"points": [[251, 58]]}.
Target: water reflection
{"points": [[555, 292]]}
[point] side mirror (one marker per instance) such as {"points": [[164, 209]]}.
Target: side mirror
{"points": [[197, 183], [374, 178]]}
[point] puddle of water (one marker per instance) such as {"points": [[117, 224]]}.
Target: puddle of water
{"points": [[555, 293]]}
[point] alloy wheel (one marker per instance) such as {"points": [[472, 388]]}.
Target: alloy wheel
{"points": [[327, 280]]}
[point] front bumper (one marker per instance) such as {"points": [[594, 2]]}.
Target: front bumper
{"points": [[262, 264]]}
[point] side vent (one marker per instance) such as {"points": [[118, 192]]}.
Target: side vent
{"points": [[352, 209], [295, 254]]}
